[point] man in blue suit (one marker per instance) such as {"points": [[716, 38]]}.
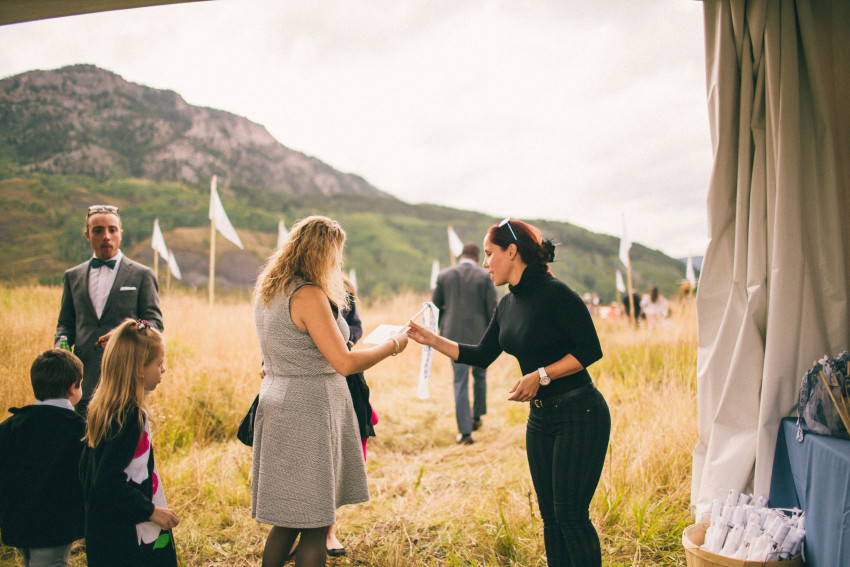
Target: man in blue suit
{"points": [[100, 293], [466, 298]]}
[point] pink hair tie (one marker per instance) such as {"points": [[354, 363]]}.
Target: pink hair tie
{"points": [[142, 324]]}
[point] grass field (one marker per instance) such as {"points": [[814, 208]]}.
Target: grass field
{"points": [[433, 503]]}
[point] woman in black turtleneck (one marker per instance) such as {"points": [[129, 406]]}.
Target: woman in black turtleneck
{"points": [[547, 327]]}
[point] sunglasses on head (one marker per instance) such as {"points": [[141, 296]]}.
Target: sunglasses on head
{"points": [[507, 222], [97, 209]]}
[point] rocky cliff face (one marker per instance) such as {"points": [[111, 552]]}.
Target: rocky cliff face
{"points": [[85, 120]]}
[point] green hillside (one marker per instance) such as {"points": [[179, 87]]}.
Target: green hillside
{"points": [[391, 244]]}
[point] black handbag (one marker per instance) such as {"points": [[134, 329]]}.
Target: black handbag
{"points": [[245, 433]]}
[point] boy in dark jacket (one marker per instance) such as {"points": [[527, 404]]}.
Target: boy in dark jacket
{"points": [[41, 497]]}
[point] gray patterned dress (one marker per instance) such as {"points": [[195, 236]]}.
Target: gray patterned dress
{"points": [[308, 458]]}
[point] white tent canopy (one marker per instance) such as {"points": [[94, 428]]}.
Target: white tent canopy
{"points": [[773, 293], [14, 11]]}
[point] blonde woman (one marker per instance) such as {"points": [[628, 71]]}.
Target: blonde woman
{"points": [[308, 458]]}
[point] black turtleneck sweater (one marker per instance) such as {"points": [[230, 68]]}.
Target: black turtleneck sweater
{"points": [[539, 322]]}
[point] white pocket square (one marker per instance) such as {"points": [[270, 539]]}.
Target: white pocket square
{"points": [[127, 288]]}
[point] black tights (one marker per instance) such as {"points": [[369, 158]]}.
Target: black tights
{"points": [[312, 549]]}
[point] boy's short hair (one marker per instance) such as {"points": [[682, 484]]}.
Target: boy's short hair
{"points": [[53, 372]]}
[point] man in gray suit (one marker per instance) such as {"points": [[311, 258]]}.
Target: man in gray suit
{"points": [[100, 293], [466, 298]]}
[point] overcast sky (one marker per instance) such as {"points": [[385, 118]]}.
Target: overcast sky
{"points": [[579, 110]]}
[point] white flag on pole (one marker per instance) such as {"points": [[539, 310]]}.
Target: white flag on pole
{"points": [[625, 245], [351, 276], [435, 271], [158, 242], [172, 265], [282, 233], [689, 273], [222, 223], [621, 287], [455, 243]]}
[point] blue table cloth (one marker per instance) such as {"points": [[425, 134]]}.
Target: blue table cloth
{"points": [[815, 476]]}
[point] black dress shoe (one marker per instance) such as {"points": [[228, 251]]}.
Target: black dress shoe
{"points": [[464, 439], [337, 552], [476, 424]]}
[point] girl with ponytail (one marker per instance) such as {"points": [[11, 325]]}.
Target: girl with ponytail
{"points": [[127, 519]]}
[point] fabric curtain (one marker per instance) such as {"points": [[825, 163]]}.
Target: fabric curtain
{"points": [[773, 292]]}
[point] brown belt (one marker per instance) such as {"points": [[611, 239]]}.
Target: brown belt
{"points": [[552, 402]]}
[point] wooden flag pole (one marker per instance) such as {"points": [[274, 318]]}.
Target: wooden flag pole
{"points": [[212, 261], [632, 313], [212, 245], [155, 253]]}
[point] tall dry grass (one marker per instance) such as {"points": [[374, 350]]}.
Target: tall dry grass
{"points": [[433, 502]]}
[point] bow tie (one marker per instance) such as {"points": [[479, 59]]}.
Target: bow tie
{"points": [[98, 263]]}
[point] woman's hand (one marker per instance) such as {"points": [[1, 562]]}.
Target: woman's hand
{"points": [[402, 341], [165, 518], [526, 388], [420, 334], [426, 337]]}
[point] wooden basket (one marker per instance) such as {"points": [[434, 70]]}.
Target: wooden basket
{"points": [[694, 536]]}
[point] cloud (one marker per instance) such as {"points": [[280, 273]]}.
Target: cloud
{"points": [[574, 111]]}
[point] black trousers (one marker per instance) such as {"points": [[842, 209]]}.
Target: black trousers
{"points": [[566, 443]]}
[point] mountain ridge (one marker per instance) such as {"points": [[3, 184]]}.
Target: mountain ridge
{"points": [[81, 135], [99, 124]]}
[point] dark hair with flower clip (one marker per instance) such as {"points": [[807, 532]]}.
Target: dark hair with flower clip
{"points": [[534, 250], [132, 345]]}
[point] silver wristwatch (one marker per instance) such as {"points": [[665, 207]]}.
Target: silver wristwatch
{"points": [[544, 378]]}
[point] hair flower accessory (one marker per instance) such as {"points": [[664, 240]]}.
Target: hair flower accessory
{"points": [[143, 324], [549, 246]]}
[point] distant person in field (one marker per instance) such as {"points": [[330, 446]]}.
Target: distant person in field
{"points": [[655, 307], [613, 311], [546, 325], [308, 453], [100, 293], [128, 521], [466, 298], [627, 307], [41, 498]]}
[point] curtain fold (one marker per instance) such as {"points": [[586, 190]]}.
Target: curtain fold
{"points": [[774, 290]]}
